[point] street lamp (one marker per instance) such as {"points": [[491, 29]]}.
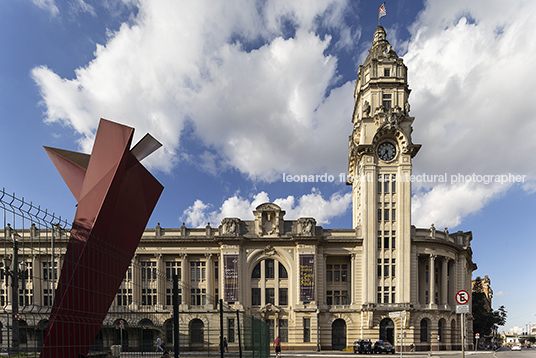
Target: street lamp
{"points": [[17, 272]]}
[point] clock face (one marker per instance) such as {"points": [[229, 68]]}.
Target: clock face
{"points": [[386, 151]]}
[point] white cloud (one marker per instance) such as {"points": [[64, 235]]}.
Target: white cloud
{"points": [[309, 205], [261, 110], [472, 99], [446, 205], [47, 5]]}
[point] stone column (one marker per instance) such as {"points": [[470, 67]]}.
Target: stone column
{"points": [[352, 279], [444, 281], [210, 279], [431, 277], [36, 281], [160, 281], [185, 264], [136, 282]]}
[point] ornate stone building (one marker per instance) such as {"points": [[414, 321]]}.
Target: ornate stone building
{"points": [[323, 287], [314, 287]]}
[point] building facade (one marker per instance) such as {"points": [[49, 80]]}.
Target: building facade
{"points": [[384, 279]]}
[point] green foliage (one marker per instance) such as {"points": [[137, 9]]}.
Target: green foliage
{"points": [[485, 321]]}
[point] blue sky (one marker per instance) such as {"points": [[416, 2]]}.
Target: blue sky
{"points": [[242, 92]]}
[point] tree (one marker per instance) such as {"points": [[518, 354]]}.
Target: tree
{"points": [[485, 320]]}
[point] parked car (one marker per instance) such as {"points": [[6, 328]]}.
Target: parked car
{"points": [[363, 347], [383, 347], [516, 347]]}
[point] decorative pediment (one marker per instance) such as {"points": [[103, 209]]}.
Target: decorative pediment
{"points": [[268, 220]]}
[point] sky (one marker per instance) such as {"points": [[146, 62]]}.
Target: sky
{"points": [[241, 93]]}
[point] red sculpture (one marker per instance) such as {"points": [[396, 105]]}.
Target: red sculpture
{"points": [[116, 196]]}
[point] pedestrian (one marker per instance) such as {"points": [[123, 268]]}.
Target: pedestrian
{"points": [[159, 345], [277, 345], [225, 345], [411, 347], [166, 354]]}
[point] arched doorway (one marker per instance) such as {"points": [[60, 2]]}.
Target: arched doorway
{"points": [[147, 335], [197, 336], [387, 330], [338, 335]]}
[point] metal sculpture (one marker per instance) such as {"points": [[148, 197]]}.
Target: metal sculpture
{"points": [[116, 195]]}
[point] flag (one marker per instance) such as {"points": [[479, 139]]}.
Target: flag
{"points": [[383, 12]]}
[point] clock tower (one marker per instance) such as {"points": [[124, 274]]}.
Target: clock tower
{"points": [[379, 170]]}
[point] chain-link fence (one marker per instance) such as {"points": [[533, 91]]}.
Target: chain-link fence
{"points": [[141, 319]]}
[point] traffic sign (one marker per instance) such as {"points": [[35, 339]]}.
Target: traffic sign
{"points": [[395, 314], [17, 316], [462, 297], [477, 335], [462, 309]]}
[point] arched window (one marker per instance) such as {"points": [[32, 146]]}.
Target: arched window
{"points": [[196, 331], [424, 330], [275, 277]]}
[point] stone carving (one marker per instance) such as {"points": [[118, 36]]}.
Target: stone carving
{"points": [[306, 226], [268, 218], [269, 250], [366, 109], [432, 231], [230, 226]]}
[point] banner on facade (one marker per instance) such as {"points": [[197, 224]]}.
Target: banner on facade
{"points": [[307, 278], [230, 277]]}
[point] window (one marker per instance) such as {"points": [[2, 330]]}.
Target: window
{"points": [[283, 330], [337, 273], [124, 296], [48, 274], [386, 72], [386, 100], [379, 214], [393, 183], [393, 268], [3, 298], [386, 242], [216, 270], [336, 297], [148, 296], [173, 268], [270, 295], [255, 296], [256, 271], [25, 297], [198, 270], [386, 214], [283, 296], [271, 329], [198, 296], [230, 330], [306, 330], [393, 214], [148, 270], [386, 183], [269, 267], [169, 296], [379, 241], [282, 271], [47, 297], [379, 267]]}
